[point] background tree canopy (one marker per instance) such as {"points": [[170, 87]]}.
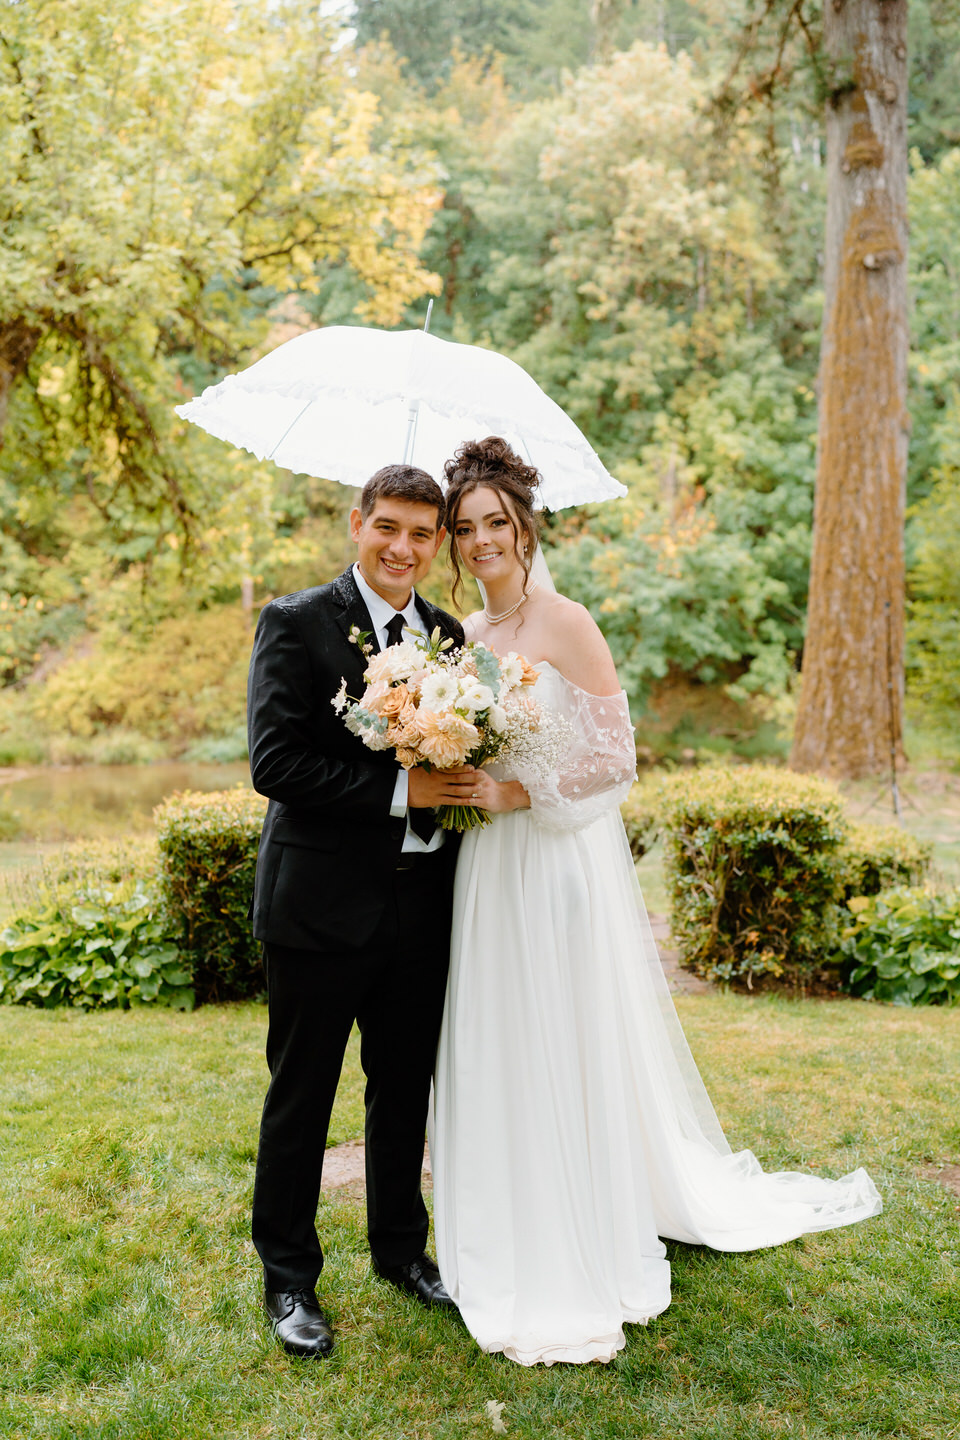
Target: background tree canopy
{"points": [[626, 198]]}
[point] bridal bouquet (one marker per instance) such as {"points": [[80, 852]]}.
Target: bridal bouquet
{"points": [[442, 708]]}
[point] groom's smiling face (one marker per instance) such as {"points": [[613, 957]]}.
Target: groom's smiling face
{"points": [[396, 545]]}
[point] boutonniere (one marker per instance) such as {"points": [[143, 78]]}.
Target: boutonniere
{"points": [[363, 639]]}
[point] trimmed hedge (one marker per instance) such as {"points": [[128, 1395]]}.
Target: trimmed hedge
{"points": [[208, 849], [640, 817], [878, 857], [759, 862], [754, 863]]}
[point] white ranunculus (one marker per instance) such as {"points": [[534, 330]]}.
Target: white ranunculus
{"points": [[475, 696], [440, 691]]}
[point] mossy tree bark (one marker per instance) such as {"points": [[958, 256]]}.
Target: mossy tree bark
{"points": [[852, 689]]}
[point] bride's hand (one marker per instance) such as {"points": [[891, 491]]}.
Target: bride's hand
{"points": [[498, 796]]}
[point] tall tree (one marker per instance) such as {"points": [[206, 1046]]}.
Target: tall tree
{"points": [[169, 167], [852, 685], [536, 40]]}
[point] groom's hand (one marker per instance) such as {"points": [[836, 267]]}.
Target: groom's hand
{"points": [[429, 788]]}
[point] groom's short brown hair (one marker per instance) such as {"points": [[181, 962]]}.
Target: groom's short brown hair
{"points": [[401, 482]]}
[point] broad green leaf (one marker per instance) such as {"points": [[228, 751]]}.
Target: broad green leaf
{"points": [[176, 975], [87, 915]]}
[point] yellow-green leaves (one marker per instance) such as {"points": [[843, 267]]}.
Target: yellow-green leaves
{"points": [[168, 170]]}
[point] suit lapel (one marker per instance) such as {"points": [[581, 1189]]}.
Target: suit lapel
{"points": [[432, 617], [350, 611]]}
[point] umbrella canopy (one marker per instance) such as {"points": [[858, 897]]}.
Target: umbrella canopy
{"points": [[340, 402]]}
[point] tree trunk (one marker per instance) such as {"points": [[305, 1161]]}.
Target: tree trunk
{"points": [[852, 691], [604, 14]]}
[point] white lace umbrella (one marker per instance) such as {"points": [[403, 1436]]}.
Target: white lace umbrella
{"points": [[340, 402]]}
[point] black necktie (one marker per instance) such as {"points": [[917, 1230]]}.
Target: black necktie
{"points": [[395, 628], [421, 821]]}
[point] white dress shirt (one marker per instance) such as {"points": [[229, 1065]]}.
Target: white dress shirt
{"points": [[381, 613]]}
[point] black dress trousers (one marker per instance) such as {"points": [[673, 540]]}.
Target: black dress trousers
{"points": [[393, 986]]}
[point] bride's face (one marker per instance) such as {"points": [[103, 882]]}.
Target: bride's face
{"points": [[486, 534]]}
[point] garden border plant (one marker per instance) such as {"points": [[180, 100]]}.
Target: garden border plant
{"points": [[91, 931], [903, 946], [758, 862]]}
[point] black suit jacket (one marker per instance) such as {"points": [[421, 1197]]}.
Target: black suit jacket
{"points": [[329, 845]]}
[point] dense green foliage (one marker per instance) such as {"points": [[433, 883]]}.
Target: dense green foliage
{"points": [[93, 933], [904, 946], [170, 172], [189, 682], [935, 608], [876, 857], [640, 818], [100, 949], [208, 848], [754, 864], [758, 862], [109, 925]]}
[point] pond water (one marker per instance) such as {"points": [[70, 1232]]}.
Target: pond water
{"points": [[57, 804]]}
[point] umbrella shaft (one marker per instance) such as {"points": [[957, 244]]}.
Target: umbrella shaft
{"points": [[288, 429], [412, 415]]}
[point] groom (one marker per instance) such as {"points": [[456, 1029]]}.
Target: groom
{"points": [[352, 904]]}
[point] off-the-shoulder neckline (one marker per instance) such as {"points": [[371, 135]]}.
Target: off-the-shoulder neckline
{"points": [[615, 695]]}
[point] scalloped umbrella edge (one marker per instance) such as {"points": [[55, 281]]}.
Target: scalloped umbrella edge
{"points": [[339, 402]]}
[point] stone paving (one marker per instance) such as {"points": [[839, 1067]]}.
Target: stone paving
{"points": [[343, 1164], [681, 981]]}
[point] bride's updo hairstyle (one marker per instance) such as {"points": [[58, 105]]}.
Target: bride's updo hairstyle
{"points": [[493, 463]]}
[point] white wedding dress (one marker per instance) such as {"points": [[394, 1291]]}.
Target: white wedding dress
{"points": [[570, 1126]]}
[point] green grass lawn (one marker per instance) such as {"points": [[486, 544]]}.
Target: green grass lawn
{"points": [[129, 1292]]}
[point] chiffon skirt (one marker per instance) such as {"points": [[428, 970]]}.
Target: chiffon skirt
{"points": [[570, 1128]]}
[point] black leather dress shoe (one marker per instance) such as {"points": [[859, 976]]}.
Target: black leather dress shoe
{"points": [[299, 1323], [419, 1278]]}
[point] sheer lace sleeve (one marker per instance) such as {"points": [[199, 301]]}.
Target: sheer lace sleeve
{"points": [[599, 767]]}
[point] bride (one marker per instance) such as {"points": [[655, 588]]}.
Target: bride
{"points": [[571, 1129]]}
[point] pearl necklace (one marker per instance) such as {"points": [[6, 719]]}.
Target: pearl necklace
{"points": [[496, 619]]}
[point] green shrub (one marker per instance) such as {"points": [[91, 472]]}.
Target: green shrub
{"points": [[754, 865], [878, 857], [904, 946], [208, 847], [184, 679], [640, 821], [219, 749], [91, 931], [11, 824], [22, 741]]}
